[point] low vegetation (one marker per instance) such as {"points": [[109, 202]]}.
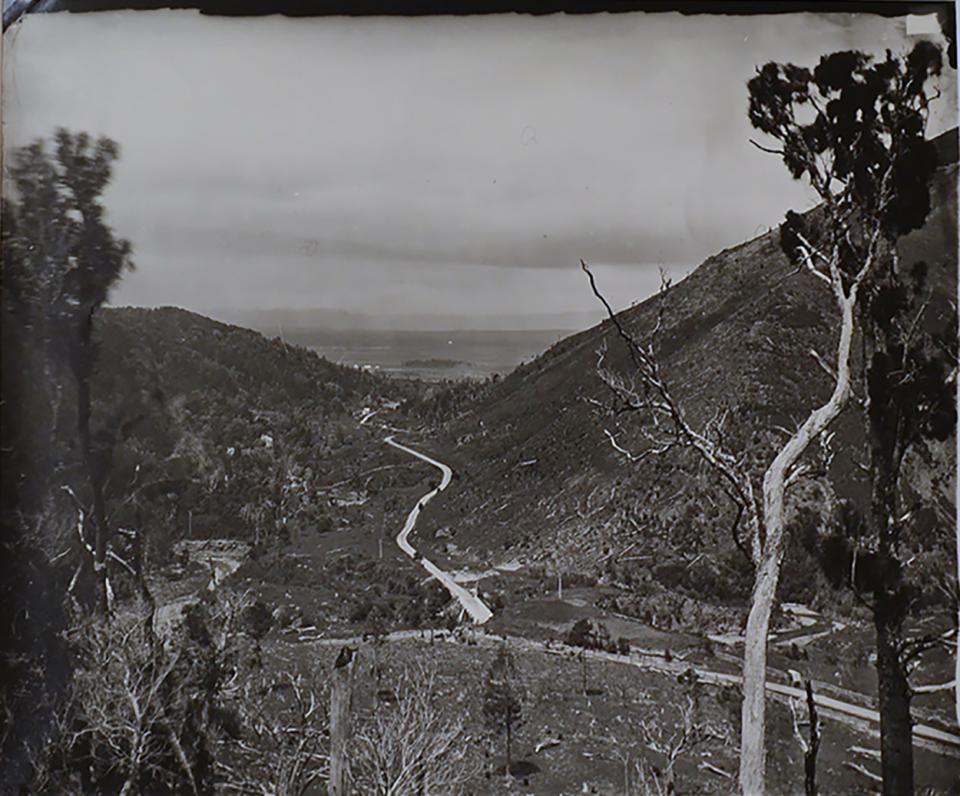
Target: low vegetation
{"points": [[197, 520]]}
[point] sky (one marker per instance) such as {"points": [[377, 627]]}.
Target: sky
{"points": [[455, 166]]}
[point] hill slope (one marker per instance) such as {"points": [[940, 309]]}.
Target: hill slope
{"points": [[211, 430], [540, 478]]}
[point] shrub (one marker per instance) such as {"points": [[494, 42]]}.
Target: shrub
{"points": [[361, 610], [580, 635], [671, 575], [589, 636]]}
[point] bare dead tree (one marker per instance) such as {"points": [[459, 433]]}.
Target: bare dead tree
{"points": [[412, 747], [664, 426], [123, 701], [283, 750], [341, 722], [670, 738]]}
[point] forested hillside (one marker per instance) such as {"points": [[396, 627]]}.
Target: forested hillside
{"points": [[220, 430]]}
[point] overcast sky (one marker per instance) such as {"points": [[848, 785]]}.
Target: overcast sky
{"points": [[428, 165]]}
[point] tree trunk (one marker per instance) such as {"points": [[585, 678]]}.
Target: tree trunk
{"points": [[893, 689], [776, 480], [896, 727], [810, 773], [139, 570], [753, 718], [890, 602], [509, 743], [813, 745], [96, 520], [341, 688]]}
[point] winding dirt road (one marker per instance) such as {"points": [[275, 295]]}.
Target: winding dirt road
{"points": [[471, 603], [929, 737]]}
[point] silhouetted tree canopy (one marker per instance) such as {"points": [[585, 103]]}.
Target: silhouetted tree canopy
{"points": [[854, 127], [61, 260], [66, 258]]}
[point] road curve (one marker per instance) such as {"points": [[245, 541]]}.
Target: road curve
{"points": [[472, 604], [940, 740]]}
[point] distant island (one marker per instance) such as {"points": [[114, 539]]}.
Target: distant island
{"points": [[434, 363]]}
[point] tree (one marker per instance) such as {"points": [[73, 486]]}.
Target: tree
{"points": [[56, 253], [63, 261], [501, 702], [865, 155], [411, 747], [910, 401], [278, 489], [125, 729], [909, 377], [217, 634]]}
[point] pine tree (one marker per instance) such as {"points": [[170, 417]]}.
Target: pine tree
{"points": [[501, 701]]}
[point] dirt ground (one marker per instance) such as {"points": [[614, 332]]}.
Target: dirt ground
{"points": [[596, 737]]}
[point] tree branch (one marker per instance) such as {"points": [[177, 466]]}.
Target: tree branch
{"points": [[768, 150], [669, 427]]}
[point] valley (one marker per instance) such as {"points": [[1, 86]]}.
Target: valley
{"points": [[535, 622], [702, 546], [432, 524]]}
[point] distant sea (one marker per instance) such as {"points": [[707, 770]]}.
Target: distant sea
{"points": [[429, 355]]}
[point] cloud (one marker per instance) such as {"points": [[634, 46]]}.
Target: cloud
{"points": [[279, 162]]}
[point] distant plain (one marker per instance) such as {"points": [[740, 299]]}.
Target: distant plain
{"points": [[429, 355]]}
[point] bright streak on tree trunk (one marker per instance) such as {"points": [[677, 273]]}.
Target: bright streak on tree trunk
{"points": [[775, 481]]}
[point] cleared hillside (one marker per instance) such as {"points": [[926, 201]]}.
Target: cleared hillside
{"points": [[540, 479]]}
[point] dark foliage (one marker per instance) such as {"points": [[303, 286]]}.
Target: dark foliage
{"points": [[60, 259], [502, 707], [866, 132]]}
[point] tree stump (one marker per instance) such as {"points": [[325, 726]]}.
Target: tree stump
{"points": [[341, 690]]}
